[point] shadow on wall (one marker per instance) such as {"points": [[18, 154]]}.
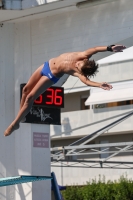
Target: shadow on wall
{"points": [[57, 129], [66, 126]]}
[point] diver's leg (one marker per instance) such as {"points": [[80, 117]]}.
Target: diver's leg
{"points": [[30, 85], [38, 89]]}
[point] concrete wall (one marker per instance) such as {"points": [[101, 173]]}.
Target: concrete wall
{"points": [[84, 122], [32, 159], [17, 154], [106, 24], [7, 107]]}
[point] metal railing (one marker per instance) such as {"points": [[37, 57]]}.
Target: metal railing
{"points": [[81, 143]]}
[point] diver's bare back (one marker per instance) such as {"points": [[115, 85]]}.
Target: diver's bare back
{"points": [[65, 63]]}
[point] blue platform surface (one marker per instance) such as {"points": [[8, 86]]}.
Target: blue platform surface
{"points": [[21, 179]]}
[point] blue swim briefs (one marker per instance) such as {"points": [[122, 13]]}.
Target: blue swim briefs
{"points": [[47, 72]]}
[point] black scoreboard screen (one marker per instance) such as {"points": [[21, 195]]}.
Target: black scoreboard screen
{"points": [[46, 108], [43, 115]]}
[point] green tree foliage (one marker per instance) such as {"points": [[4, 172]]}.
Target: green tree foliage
{"points": [[101, 190]]}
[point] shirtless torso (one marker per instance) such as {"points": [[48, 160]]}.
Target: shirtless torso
{"points": [[66, 63]]}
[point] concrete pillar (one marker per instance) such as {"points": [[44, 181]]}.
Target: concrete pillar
{"points": [[32, 155]]}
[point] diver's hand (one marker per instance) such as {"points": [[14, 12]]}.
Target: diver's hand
{"points": [[118, 48], [105, 86]]}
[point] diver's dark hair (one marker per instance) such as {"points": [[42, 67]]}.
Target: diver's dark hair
{"points": [[90, 68]]}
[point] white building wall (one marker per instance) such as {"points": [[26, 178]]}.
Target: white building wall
{"points": [[17, 154], [85, 122], [7, 149], [31, 161]]}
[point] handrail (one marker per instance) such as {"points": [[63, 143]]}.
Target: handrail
{"points": [[55, 187], [90, 146]]}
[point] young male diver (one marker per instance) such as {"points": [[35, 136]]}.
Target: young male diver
{"points": [[74, 63]]}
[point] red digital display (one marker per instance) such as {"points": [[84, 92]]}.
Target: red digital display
{"points": [[52, 97]]}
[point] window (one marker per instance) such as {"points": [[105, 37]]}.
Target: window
{"points": [[82, 103], [114, 104]]}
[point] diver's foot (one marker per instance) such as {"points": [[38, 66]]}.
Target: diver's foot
{"points": [[10, 129]]}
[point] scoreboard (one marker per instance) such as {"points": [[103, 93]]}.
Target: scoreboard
{"points": [[47, 107]]}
